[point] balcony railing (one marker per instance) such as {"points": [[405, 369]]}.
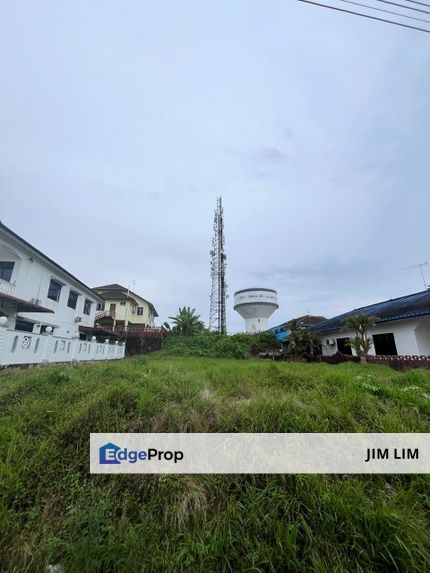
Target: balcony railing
{"points": [[6, 287], [136, 330], [105, 314]]}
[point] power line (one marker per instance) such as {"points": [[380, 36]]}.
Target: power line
{"points": [[366, 16], [420, 3], [403, 6], [386, 11]]}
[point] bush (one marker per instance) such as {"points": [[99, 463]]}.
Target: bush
{"points": [[213, 345], [227, 347], [62, 375], [255, 343]]}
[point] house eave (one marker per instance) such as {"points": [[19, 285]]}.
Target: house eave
{"points": [[377, 322], [39, 318], [23, 305], [46, 259]]}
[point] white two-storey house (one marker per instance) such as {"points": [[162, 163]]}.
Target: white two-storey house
{"points": [[42, 305]]}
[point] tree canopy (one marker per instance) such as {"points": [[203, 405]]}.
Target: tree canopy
{"points": [[187, 322], [361, 342], [302, 341]]}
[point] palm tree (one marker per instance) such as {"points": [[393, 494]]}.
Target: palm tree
{"points": [[361, 342], [187, 322]]}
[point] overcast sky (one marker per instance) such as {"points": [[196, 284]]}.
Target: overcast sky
{"points": [[121, 122]]}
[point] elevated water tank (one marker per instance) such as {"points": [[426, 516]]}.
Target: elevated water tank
{"points": [[255, 305]]}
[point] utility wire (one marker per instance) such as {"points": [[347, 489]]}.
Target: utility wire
{"points": [[366, 16], [420, 3], [386, 11], [403, 6]]}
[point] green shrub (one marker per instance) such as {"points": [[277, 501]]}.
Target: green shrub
{"points": [[255, 343], [63, 375], [213, 345]]}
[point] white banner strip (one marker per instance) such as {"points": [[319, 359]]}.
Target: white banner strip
{"points": [[260, 453]]}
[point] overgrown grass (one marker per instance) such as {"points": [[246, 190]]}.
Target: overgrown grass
{"points": [[214, 345], [54, 511]]}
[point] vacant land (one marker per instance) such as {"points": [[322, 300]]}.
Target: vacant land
{"points": [[53, 511]]}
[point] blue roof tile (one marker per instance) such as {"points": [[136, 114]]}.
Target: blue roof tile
{"points": [[409, 306]]}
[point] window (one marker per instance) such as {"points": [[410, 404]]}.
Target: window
{"points": [[385, 344], [122, 303], [54, 289], [140, 310], [6, 268], [73, 299], [87, 306], [22, 324], [100, 306], [343, 346]]}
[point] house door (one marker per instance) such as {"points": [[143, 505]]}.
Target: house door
{"points": [[112, 309]]}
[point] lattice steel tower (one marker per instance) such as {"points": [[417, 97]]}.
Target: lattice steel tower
{"points": [[217, 314]]}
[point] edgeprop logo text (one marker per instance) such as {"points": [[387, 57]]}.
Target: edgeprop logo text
{"points": [[113, 454]]}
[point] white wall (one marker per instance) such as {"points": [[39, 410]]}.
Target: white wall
{"points": [[255, 306], [255, 325], [18, 347], [32, 275], [412, 336], [422, 333]]}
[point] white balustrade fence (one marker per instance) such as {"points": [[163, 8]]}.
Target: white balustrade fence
{"points": [[6, 286], [18, 347]]}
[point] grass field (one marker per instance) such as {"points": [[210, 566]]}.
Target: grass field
{"points": [[53, 511]]}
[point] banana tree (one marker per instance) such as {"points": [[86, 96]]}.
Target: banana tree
{"points": [[187, 322]]}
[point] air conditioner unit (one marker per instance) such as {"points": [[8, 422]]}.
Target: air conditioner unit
{"points": [[78, 319], [330, 341]]}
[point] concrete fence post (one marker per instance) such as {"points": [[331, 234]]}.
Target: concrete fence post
{"points": [[74, 349], [93, 350], [49, 340], [3, 329]]}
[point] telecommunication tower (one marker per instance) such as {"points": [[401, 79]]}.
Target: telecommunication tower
{"points": [[217, 314]]}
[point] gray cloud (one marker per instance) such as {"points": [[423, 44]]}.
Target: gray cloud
{"points": [[321, 268]]}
